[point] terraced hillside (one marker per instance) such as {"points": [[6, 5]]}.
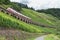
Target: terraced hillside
{"points": [[11, 22], [43, 18], [13, 29], [7, 21]]}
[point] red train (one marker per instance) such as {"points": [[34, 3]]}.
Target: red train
{"points": [[19, 15]]}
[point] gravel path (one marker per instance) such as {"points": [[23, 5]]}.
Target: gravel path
{"points": [[41, 38]]}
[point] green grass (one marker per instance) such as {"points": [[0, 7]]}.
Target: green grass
{"points": [[2, 38], [8, 21], [11, 22], [5, 6], [46, 19], [51, 37], [31, 39]]}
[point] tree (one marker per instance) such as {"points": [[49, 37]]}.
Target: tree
{"points": [[53, 11], [16, 7], [4, 2]]}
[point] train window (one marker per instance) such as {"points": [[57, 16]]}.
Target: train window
{"points": [[6, 13], [2, 11], [21, 19], [26, 21], [18, 17]]}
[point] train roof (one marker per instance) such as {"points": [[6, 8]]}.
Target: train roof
{"points": [[17, 12]]}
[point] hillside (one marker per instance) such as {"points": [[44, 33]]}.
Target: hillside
{"points": [[53, 11], [25, 31], [43, 18], [7, 21]]}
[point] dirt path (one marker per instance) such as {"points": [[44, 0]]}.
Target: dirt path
{"points": [[41, 38]]}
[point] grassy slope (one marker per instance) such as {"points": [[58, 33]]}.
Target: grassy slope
{"points": [[44, 18], [10, 22], [52, 37], [41, 17]]}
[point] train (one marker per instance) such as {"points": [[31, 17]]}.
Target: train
{"points": [[18, 15]]}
